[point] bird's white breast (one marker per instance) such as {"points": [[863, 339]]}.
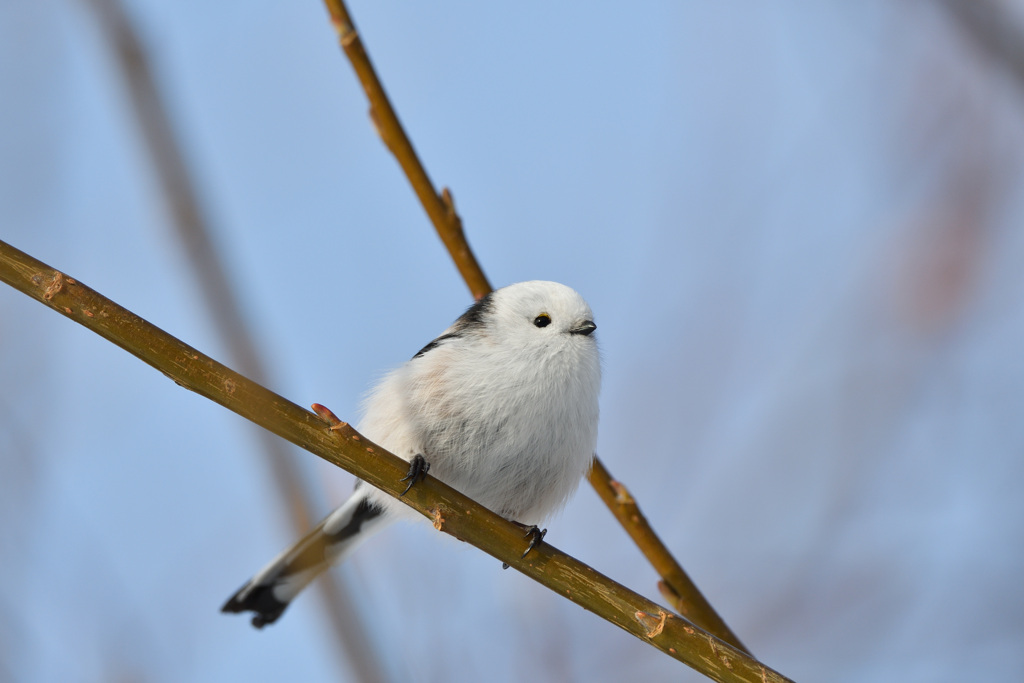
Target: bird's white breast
{"points": [[515, 431]]}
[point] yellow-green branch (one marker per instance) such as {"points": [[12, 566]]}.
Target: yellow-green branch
{"points": [[449, 510]]}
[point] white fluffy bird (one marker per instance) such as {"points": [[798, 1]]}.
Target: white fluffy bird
{"points": [[501, 406]]}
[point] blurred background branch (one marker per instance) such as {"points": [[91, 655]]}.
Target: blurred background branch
{"points": [[996, 29], [226, 313]]}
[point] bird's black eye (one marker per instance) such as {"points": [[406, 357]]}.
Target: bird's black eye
{"points": [[542, 320]]}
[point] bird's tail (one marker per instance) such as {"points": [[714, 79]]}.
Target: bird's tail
{"points": [[276, 585]]}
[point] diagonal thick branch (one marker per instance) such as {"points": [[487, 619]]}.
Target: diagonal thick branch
{"points": [[676, 583], [449, 510]]}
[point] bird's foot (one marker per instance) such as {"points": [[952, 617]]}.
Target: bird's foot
{"points": [[535, 534], [418, 468]]}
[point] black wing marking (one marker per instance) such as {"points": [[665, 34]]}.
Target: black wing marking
{"points": [[437, 342], [475, 317]]}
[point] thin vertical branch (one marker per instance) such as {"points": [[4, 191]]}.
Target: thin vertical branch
{"points": [[439, 207], [441, 210], [225, 310], [675, 585]]}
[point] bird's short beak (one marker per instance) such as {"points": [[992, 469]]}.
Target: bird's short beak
{"points": [[585, 327]]}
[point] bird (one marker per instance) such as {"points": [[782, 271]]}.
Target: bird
{"points": [[502, 405]]}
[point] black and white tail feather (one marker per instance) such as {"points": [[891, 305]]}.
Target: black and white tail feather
{"points": [[502, 405], [272, 590]]}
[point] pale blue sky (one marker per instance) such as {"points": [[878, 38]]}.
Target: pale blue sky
{"points": [[798, 226]]}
